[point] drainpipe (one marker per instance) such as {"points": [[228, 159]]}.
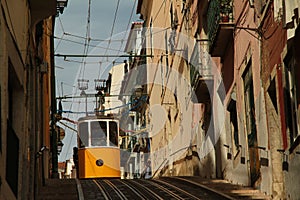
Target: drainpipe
{"points": [[53, 133]]}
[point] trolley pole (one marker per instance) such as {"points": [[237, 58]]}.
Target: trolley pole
{"points": [[86, 110]]}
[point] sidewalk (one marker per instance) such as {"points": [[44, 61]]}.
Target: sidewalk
{"points": [[58, 189], [233, 190]]}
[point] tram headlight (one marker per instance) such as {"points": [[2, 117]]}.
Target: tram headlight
{"points": [[99, 162]]}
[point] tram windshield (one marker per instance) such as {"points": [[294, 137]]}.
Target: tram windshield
{"points": [[113, 133], [83, 134], [99, 133]]}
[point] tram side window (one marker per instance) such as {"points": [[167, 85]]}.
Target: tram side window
{"points": [[113, 133], [83, 134], [98, 134]]}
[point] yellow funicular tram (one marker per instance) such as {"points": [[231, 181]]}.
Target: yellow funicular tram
{"points": [[98, 148]]}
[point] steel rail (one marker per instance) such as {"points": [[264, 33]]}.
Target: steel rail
{"points": [[135, 191], [116, 189], [176, 188], [133, 182], [164, 189], [205, 187], [102, 190]]}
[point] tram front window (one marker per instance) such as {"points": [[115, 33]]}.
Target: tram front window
{"points": [[113, 133], [99, 133], [83, 134]]}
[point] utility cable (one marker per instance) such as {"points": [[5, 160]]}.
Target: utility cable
{"points": [[80, 43], [111, 33], [87, 40], [62, 28], [92, 39], [128, 25]]}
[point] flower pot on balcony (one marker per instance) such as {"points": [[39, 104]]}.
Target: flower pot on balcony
{"points": [[225, 18]]}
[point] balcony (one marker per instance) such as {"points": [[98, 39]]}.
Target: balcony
{"points": [[220, 25], [42, 9], [200, 65]]}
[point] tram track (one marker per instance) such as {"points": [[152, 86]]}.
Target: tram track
{"points": [[167, 191], [175, 189], [195, 189], [156, 189]]}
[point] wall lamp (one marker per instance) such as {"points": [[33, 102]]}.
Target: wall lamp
{"points": [[60, 6]]}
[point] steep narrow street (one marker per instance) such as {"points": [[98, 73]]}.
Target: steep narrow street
{"points": [[148, 99]]}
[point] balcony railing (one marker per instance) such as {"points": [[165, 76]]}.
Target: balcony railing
{"points": [[200, 65], [219, 16]]}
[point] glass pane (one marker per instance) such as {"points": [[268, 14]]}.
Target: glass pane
{"points": [[83, 134], [99, 133], [113, 133]]}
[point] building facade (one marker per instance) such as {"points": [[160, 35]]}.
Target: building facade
{"points": [[26, 59], [240, 59]]}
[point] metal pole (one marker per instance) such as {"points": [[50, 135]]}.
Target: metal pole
{"points": [[99, 55], [86, 112]]}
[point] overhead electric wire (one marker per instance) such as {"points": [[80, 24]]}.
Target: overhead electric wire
{"points": [[87, 40], [62, 28], [80, 43], [77, 61], [87, 44], [92, 39], [111, 32], [143, 98], [86, 48], [128, 24]]}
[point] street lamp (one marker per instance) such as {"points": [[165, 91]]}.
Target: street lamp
{"points": [[83, 84], [100, 84], [60, 5]]}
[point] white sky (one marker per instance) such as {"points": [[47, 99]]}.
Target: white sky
{"points": [[74, 21]]}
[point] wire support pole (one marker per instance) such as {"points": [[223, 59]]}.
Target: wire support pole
{"points": [[96, 56]]}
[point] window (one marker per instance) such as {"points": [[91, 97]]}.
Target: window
{"points": [[83, 134], [249, 105], [234, 124], [290, 96], [12, 141], [171, 15], [99, 133], [12, 159], [113, 133]]}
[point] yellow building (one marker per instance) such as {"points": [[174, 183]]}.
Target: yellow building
{"points": [[240, 59], [178, 117]]}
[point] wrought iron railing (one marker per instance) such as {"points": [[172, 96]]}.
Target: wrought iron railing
{"points": [[219, 11], [200, 64]]}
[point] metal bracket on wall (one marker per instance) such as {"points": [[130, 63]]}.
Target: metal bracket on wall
{"points": [[285, 163]]}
